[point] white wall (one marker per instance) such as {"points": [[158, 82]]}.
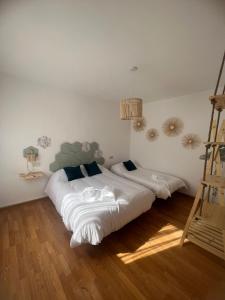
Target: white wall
{"points": [[28, 112], [167, 154]]}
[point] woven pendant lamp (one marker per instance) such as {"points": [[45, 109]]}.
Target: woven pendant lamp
{"points": [[130, 108]]}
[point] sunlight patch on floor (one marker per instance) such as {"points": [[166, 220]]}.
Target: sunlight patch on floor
{"points": [[167, 237]]}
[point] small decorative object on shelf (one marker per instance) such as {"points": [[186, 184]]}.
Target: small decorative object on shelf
{"points": [[31, 155], [191, 141], [32, 175], [173, 127], [152, 134], [44, 141], [139, 124]]}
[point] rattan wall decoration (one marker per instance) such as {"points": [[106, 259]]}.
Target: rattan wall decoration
{"points": [[191, 141], [139, 124], [44, 141], [173, 127], [152, 134]]}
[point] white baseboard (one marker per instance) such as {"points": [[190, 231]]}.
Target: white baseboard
{"points": [[21, 202]]}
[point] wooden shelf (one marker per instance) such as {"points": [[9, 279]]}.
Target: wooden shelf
{"points": [[32, 175], [215, 143], [209, 233], [207, 236], [215, 181], [219, 101]]}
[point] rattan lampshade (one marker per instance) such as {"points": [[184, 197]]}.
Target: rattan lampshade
{"points": [[130, 108]]}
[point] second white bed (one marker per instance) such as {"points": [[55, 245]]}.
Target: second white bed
{"points": [[161, 184], [90, 221]]}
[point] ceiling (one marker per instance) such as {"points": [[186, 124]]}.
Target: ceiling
{"points": [[89, 46]]}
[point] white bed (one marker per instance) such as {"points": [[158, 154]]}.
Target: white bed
{"points": [[161, 184], [91, 221]]}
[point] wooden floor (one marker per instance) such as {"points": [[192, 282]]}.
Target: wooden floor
{"points": [[141, 261]]}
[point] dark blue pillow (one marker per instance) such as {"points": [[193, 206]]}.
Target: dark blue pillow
{"points": [[129, 165], [92, 169], [73, 173]]}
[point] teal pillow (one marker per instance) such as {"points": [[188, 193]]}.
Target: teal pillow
{"points": [[73, 173], [92, 169], [129, 165]]}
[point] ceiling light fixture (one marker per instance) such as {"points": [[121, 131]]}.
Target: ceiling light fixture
{"points": [[131, 108]]}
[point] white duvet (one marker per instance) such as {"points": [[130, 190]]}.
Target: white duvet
{"points": [[161, 184], [93, 207]]}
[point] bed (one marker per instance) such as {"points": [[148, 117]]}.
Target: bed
{"points": [[88, 216], [161, 184]]}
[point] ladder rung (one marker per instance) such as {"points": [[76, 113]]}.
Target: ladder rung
{"points": [[207, 224], [215, 143], [198, 228], [206, 246], [219, 101], [216, 181]]}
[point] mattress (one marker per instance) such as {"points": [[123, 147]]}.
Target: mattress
{"points": [[161, 184], [90, 222]]}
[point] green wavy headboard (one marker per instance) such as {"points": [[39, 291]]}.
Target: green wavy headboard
{"points": [[77, 154]]}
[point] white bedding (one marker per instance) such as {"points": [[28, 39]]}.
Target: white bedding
{"points": [[162, 185], [112, 202]]}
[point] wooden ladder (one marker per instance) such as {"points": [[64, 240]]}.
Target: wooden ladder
{"points": [[206, 222]]}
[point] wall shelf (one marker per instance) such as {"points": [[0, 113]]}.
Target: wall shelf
{"points": [[32, 175]]}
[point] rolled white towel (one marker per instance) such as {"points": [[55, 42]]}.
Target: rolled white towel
{"points": [[162, 186], [91, 194]]}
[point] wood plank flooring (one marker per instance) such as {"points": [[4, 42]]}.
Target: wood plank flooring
{"points": [[141, 261]]}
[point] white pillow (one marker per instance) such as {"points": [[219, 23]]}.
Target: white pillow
{"points": [[118, 168], [59, 175]]}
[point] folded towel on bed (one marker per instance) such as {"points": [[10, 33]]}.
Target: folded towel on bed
{"points": [[91, 194], [162, 186], [160, 179]]}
